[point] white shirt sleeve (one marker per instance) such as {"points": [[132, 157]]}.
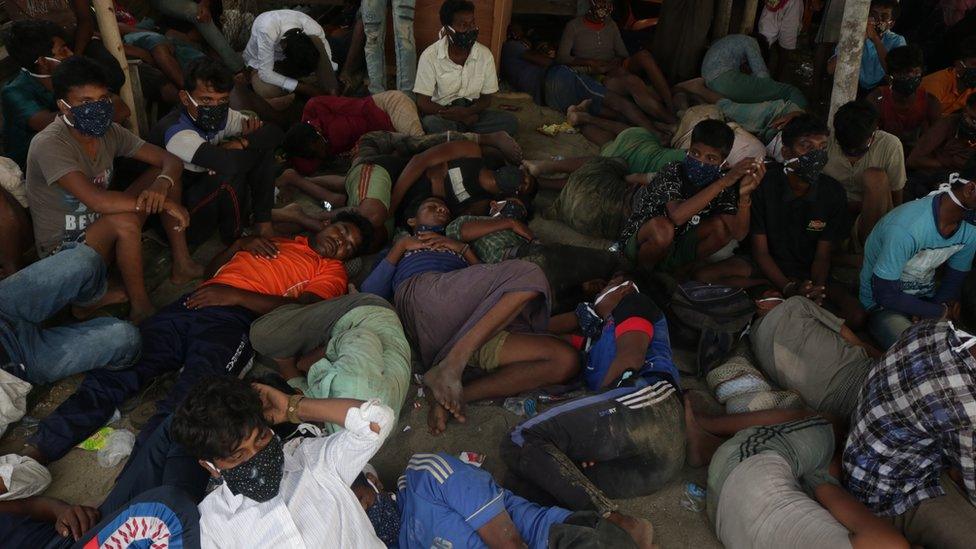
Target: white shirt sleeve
{"points": [[426, 81], [491, 75], [347, 452], [265, 64], [314, 30], [184, 144]]}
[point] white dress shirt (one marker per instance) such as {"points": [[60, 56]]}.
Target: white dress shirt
{"points": [[315, 507], [264, 47], [444, 81]]}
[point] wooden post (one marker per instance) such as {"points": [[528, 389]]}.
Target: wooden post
{"points": [[749, 8], [849, 55], [108, 28], [723, 16]]}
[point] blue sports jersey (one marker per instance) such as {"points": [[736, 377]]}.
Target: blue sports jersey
{"points": [[444, 501]]}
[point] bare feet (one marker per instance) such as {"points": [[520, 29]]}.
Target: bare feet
{"points": [[437, 416], [445, 387], [639, 529], [506, 144], [115, 294], [181, 274], [573, 112], [701, 444]]}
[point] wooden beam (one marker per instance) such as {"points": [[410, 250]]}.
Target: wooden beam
{"points": [[748, 16], [849, 50], [108, 28], [723, 16]]}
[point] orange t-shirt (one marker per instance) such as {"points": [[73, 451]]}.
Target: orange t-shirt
{"points": [[296, 270], [942, 84]]}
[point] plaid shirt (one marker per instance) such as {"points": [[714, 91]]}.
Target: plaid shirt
{"points": [[915, 418], [491, 248]]}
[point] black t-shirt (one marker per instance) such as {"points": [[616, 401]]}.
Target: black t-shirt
{"points": [[793, 225]]}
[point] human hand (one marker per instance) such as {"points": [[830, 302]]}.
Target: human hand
{"points": [[814, 293], [440, 242], [274, 403], [74, 520], [871, 33], [953, 311], [179, 212], [151, 200], [781, 121], [259, 246], [250, 125], [752, 179], [521, 229], [213, 296]]}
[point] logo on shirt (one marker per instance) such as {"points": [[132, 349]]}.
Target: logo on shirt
{"points": [[441, 543], [816, 225]]}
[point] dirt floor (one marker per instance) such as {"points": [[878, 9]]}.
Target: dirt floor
{"points": [[79, 479]]}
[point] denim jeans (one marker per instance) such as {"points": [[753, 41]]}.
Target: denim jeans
{"points": [[886, 326], [374, 25], [186, 10], [76, 274]]}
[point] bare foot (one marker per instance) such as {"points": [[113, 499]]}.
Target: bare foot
{"points": [[445, 387], [640, 530], [506, 144], [181, 274], [113, 295], [34, 452], [534, 167], [701, 444], [573, 112], [437, 416]]}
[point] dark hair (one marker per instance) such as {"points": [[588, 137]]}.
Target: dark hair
{"points": [[298, 140], [411, 208], [77, 71], [301, 55], [205, 70], [854, 123], [216, 416], [967, 302], [905, 58], [29, 39], [802, 126], [714, 133], [361, 223], [450, 8], [893, 4], [966, 48]]}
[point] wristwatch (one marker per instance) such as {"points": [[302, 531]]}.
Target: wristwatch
{"points": [[292, 410]]}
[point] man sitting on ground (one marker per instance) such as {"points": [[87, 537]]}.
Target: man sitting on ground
{"points": [[907, 247], [908, 455], [691, 209], [70, 168], [906, 109], [289, 55], [878, 41], [869, 163], [228, 158], [456, 78], [951, 86], [944, 148], [272, 495], [205, 332], [798, 216]]}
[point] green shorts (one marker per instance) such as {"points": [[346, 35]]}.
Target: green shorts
{"points": [[684, 250], [369, 181], [641, 150], [487, 356]]}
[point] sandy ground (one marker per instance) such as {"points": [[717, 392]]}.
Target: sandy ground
{"points": [[79, 479]]}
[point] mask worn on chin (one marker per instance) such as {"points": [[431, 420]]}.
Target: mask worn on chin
{"points": [[906, 86], [93, 118], [946, 188], [384, 515], [808, 166], [591, 324], [439, 229], [210, 118], [701, 174], [54, 60], [967, 76], [259, 477], [464, 40], [512, 210]]}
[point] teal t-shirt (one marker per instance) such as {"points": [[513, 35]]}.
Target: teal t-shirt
{"points": [[22, 98]]}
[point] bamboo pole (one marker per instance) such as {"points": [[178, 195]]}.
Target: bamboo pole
{"points": [[849, 50], [723, 15], [108, 28], [748, 16]]}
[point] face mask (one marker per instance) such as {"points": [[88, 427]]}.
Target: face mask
{"points": [[591, 324], [512, 210], [439, 229], [210, 118], [967, 77], [599, 12], [384, 515], [808, 166], [701, 174], [464, 40], [54, 60], [946, 188], [93, 118], [906, 86], [259, 477], [967, 339], [882, 28]]}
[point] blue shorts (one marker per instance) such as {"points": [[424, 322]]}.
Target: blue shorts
{"points": [[565, 87], [148, 40]]}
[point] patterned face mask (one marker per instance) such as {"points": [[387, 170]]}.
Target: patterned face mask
{"points": [[384, 515], [906, 86], [259, 477], [808, 166], [464, 40], [93, 118], [700, 173], [210, 118], [512, 210]]}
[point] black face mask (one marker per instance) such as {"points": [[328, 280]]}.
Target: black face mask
{"points": [[464, 40], [906, 86], [967, 77], [809, 166], [384, 515], [210, 118], [513, 210], [259, 477]]}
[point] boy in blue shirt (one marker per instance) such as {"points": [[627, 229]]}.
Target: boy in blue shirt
{"points": [[879, 40], [908, 246], [442, 502]]}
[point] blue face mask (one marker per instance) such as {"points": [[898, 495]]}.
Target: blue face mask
{"points": [[93, 118], [439, 229], [384, 515], [700, 173]]}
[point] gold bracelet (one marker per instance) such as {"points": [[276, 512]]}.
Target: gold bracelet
{"points": [[292, 411]]}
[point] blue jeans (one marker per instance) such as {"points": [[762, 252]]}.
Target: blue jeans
{"points": [[76, 274], [186, 10], [564, 87], [886, 326], [374, 26]]}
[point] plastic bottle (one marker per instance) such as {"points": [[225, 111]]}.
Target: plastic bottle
{"points": [[694, 498], [520, 406], [117, 447]]}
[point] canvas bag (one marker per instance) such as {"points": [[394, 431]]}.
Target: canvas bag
{"points": [[710, 318]]}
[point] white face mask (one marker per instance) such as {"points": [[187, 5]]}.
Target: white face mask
{"points": [[967, 339], [35, 75], [609, 291], [946, 188]]}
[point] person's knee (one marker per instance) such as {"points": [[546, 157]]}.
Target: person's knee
{"points": [[124, 224], [126, 339], [563, 360], [875, 182]]}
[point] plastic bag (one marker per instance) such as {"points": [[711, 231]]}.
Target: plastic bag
{"points": [[117, 447]]}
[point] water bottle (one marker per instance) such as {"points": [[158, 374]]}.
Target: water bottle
{"points": [[117, 447], [522, 407]]}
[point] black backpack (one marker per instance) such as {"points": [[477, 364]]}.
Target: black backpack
{"points": [[710, 318]]}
